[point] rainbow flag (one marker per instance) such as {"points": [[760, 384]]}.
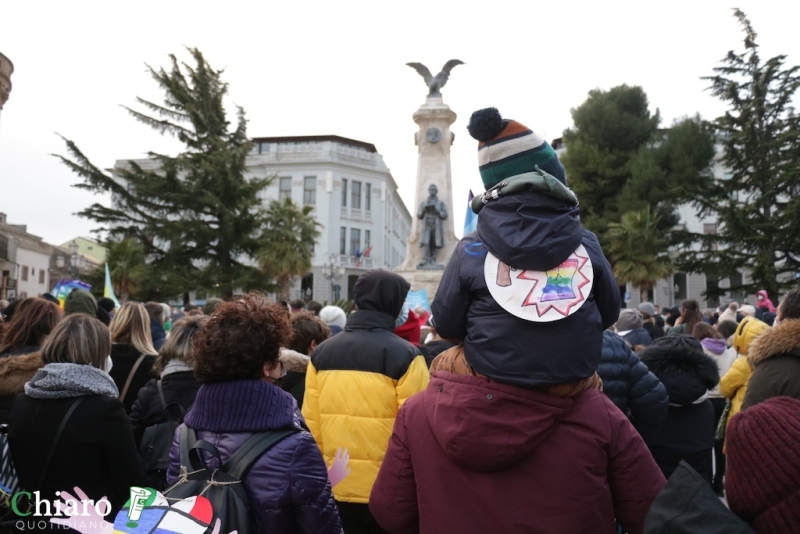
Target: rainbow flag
{"points": [[65, 287]]}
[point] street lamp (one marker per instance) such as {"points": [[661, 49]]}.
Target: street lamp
{"points": [[333, 271]]}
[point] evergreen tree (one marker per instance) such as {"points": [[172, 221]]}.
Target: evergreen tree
{"points": [[287, 244], [757, 205], [196, 216]]}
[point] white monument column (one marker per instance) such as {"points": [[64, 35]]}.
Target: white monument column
{"points": [[424, 266]]}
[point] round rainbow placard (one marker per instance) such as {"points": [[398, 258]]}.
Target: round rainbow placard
{"points": [[541, 296]]}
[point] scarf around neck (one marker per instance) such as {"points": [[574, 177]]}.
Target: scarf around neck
{"points": [[175, 366], [65, 380]]}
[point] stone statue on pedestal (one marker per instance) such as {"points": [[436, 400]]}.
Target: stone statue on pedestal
{"points": [[431, 212], [435, 83]]}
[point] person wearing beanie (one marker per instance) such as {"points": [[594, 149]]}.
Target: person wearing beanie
{"points": [[530, 277], [211, 304], [410, 330], [775, 356], [763, 480], [355, 385], [747, 310], [733, 385], [334, 317], [630, 328], [679, 362], [80, 301], [108, 305]]}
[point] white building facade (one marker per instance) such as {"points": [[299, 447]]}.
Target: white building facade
{"points": [[24, 262], [364, 223]]}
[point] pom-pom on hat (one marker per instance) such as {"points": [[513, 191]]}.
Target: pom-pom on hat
{"points": [[507, 148]]}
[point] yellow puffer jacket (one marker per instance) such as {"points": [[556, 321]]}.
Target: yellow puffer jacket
{"points": [[355, 384], [734, 384]]}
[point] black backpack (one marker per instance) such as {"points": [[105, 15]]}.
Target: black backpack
{"points": [[223, 486], [156, 442]]}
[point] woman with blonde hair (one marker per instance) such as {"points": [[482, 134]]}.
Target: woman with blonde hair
{"points": [[176, 383], [132, 352], [68, 429]]}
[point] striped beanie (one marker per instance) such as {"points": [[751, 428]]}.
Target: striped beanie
{"points": [[508, 148]]}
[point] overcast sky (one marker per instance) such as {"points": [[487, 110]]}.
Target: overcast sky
{"points": [[311, 68]]}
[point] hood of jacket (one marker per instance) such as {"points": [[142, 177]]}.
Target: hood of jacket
{"points": [[530, 230], [293, 361], [382, 291], [784, 338], [483, 425], [687, 375], [765, 301], [716, 346], [16, 370]]}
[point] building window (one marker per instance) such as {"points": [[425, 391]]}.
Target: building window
{"points": [[368, 198], [356, 196], [285, 188], [41, 276], [355, 241], [343, 240], [25, 273], [367, 239], [310, 190], [344, 192], [709, 228], [263, 148]]}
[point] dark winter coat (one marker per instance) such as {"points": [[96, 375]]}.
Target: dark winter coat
{"points": [[179, 388], [688, 505], [775, 357], [123, 356], [96, 451], [294, 382], [14, 372], [25, 349], [631, 386], [158, 334], [639, 336], [527, 231], [432, 349], [688, 432], [287, 486], [471, 455]]}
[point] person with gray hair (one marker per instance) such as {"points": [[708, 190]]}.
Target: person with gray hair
{"points": [[630, 328]]}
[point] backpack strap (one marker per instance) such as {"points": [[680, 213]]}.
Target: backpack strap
{"points": [[161, 394], [187, 441], [46, 464], [256, 445], [130, 378]]}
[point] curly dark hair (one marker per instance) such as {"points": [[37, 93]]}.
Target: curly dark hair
{"points": [[243, 334]]}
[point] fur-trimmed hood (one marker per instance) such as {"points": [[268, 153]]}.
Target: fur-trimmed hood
{"points": [[784, 338], [15, 371], [687, 375], [293, 361]]}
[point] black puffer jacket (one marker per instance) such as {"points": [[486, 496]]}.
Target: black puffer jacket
{"points": [[688, 374], [631, 386], [528, 231]]}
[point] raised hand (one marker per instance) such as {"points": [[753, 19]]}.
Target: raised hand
{"points": [[339, 468]]}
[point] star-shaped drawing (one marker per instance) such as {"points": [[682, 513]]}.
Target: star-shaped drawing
{"points": [[562, 307]]}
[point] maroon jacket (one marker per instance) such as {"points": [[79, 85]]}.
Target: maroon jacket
{"points": [[473, 455]]}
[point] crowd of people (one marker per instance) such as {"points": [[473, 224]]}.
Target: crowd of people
{"points": [[497, 410]]}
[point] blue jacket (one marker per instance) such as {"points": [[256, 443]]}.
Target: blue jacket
{"points": [[287, 487], [639, 336], [158, 334], [527, 231], [631, 386]]}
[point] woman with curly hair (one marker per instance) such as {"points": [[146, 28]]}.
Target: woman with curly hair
{"points": [[237, 360], [33, 319], [132, 352]]}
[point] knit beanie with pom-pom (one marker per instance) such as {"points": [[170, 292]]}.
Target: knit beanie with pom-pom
{"points": [[507, 148]]}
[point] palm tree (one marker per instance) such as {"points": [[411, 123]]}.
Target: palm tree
{"points": [[287, 243], [126, 263], [639, 250]]}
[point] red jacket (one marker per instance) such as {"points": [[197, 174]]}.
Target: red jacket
{"points": [[472, 455]]}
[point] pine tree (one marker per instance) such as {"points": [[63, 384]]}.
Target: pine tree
{"points": [[196, 216], [757, 205]]}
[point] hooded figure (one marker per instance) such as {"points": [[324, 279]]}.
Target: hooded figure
{"points": [[762, 301], [687, 373], [355, 385]]}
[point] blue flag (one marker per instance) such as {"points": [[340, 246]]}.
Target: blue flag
{"points": [[471, 218]]}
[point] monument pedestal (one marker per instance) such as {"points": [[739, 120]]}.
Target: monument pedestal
{"points": [[433, 140]]}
